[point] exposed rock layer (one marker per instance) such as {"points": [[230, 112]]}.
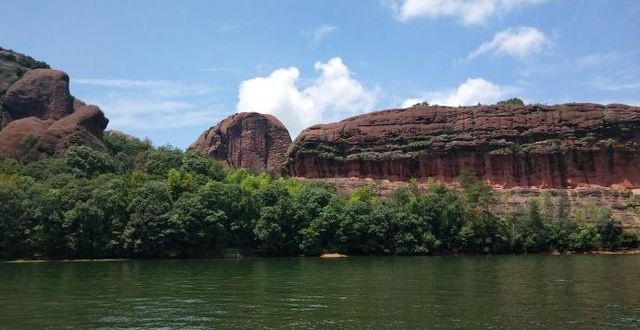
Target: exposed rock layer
{"points": [[250, 140], [558, 146], [620, 202], [38, 115]]}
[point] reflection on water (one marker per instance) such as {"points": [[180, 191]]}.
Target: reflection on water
{"points": [[363, 292]]}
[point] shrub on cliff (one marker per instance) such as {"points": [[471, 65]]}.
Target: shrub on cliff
{"points": [[512, 101]]}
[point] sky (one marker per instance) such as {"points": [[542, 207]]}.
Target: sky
{"points": [[168, 70]]}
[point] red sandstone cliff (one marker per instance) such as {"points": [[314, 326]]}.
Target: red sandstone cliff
{"points": [[558, 146], [39, 115], [251, 140]]}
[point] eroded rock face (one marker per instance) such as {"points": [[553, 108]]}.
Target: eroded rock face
{"points": [[39, 115], [250, 140], [559, 146], [29, 138], [41, 93]]}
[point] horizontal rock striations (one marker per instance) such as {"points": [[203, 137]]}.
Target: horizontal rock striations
{"points": [[250, 140], [38, 115], [557, 146]]}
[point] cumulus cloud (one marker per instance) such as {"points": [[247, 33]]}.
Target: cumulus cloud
{"points": [[333, 94], [148, 104], [467, 11], [520, 42], [322, 31], [471, 92]]}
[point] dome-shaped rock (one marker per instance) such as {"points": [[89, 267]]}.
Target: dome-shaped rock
{"points": [[250, 140]]}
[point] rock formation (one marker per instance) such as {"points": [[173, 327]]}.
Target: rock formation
{"points": [[42, 93], [558, 146], [38, 114], [620, 201], [250, 140]]}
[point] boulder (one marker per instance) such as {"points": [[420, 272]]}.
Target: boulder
{"points": [[41, 93], [251, 140], [29, 138], [39, 115]]}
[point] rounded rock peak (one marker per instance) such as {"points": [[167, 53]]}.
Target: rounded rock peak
{"points": [[251, 140], [41, 93]]}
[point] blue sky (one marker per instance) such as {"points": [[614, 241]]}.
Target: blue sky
{"points": [[167, 70]]}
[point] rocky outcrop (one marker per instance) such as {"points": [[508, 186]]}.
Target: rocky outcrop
{"points": [[250, 140], [41, 93], [30, 137], [560, 146], [38, 114]]}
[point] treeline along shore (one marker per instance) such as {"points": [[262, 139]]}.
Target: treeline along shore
{"points": [[131, 200]]}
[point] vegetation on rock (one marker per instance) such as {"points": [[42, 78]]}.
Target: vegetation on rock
{"points": [[133, 200], [512, 101], [508, 144]]}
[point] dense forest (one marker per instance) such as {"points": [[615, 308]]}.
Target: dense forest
{"points": [[134, 200]]}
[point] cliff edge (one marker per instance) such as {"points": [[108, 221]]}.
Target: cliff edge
{"points": [[560, 146]]}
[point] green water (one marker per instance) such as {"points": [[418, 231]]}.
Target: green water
{"points": [[363, 292]]}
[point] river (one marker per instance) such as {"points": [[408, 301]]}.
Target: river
{"points": [[361, 292]]}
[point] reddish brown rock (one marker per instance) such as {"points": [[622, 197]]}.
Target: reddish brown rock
{"points": [[39, 115], [30, 137], [41, 93], [559, 146], [19, 137], [250, 140]]}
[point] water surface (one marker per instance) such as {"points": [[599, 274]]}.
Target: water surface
{"points": [[362, 292]]}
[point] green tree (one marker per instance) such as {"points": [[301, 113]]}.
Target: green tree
{"points": [[86, 233], [148, 231], [13, 232], [202, 166], [179, 182], [512, 101], [158, 162], [196, 230], [86, 162]]}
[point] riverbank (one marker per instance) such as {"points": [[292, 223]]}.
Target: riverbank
{"points": [[339, 256], [24, 261], [598, 252]]}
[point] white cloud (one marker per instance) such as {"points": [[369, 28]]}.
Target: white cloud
{"points": [[471, 92], [149, 104], [598, 59], [607, 84], [331, 95], [322, 31], [519, 42], [467, 11], [148, 114], [226, 26], [159, 87]]}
